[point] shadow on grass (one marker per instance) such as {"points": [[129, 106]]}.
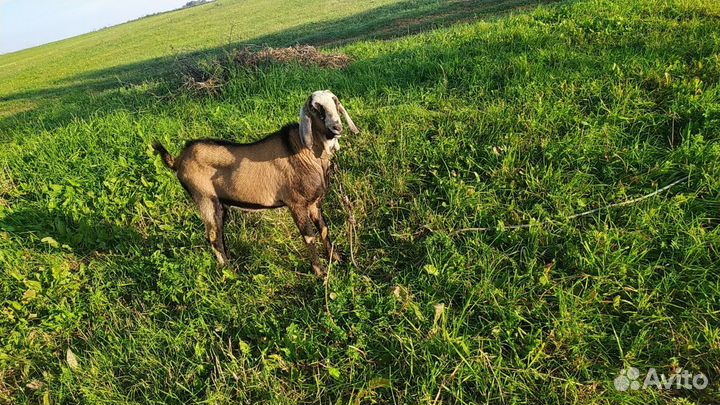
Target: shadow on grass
{"points": [[84, 236], [74, 96]]}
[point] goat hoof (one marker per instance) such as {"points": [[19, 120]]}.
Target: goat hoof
{"points": [[336, 258], [320, 271]]}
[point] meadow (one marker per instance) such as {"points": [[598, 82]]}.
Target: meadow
{"points": [[487, 114]]}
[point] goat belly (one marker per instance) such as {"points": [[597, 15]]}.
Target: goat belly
{"points": [[249, 206], [249, 185], [252, 197]]}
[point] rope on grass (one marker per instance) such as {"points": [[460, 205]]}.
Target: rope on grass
{"points": [[351, 217], [326, 283], [352, 232], [581, 214]]}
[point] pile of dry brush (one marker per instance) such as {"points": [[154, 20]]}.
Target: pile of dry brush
{"points": [[208, 77]]}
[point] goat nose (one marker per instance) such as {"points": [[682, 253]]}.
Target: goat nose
{"points": [[337, 128]]}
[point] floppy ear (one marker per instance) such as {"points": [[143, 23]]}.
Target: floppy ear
{"points": [[345, 114], [306, 136]]}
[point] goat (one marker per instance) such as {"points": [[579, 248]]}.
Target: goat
{"points": [[288, 168]]}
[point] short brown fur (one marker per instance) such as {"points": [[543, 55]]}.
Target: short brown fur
{"points": [[282, 170]]}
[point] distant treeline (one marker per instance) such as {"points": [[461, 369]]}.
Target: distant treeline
{"points": [[196, 3]]}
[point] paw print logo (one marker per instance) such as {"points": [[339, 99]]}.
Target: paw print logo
{"points": [[627, 379]]}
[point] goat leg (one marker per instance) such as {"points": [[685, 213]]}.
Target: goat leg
{"points": [[212, 215], [319, 219], [302, 220]]}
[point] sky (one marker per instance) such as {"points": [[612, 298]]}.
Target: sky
{"points": [[27, 23]]}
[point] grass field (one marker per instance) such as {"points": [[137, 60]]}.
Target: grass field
{"points": [[518, 113]]}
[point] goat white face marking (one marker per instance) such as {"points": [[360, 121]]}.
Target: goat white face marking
{"points": [[326, 100]]}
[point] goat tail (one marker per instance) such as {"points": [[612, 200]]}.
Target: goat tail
{"points": [[165, 155]]}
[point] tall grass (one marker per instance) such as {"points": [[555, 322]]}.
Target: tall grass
{"points": [[520, 119]]}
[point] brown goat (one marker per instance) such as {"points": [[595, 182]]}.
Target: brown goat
{"points": [[289, 168]]}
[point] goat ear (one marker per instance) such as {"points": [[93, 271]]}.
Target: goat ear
{"points": [[306, 136], [349, 120]]}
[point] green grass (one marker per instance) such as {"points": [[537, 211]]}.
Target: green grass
{"points": [[525, 117]]}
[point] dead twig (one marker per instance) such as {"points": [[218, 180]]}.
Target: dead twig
{"points": [[211, 86], [581, 214], [446, 381]]}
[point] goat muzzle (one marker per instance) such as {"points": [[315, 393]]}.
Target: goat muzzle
{"points": [[336, 130]]}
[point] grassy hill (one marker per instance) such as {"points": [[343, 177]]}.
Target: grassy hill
{"points": [[110, 294], [146, 48]]}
